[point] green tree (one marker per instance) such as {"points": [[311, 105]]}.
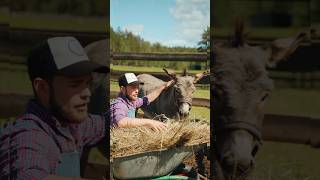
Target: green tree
{"points": [[204, 43]]}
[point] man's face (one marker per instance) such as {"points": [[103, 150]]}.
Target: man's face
{"points": [[131, 91], [71, 96]]}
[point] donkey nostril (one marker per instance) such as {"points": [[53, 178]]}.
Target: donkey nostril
{"points": [[228, 160]]}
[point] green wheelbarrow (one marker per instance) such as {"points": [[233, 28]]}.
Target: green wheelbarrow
{"points": [[155, 165]]}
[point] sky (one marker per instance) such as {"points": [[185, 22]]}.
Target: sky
{"points": [[169, 22]]}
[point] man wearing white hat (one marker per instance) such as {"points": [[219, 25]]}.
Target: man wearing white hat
{"points": [[122, 109]]}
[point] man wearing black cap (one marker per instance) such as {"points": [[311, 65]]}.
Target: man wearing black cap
{"points": [[122, 109], [48, 139]]}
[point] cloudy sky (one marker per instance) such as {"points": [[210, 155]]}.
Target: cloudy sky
{"points": [[170, 22]]}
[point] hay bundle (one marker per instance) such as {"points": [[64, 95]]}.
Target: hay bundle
{"points": [[128, 141]]}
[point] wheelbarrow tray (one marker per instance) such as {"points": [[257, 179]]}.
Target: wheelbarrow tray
{"points": [[151, 164]]}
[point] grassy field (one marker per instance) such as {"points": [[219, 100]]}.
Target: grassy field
{"points": [[304, 102], [284, 161]]}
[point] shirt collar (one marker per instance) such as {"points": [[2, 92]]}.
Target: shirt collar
{"points": [[45, 114], [124, 98], [49, 117]]}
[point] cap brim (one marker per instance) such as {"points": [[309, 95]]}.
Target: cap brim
{"points": [[83, 68], [135, 83]]}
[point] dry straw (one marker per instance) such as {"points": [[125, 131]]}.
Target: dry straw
{"points": [[129, 141]]}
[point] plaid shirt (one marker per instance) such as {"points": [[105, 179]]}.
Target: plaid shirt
{"points": [[31, 146], [120, 107]]}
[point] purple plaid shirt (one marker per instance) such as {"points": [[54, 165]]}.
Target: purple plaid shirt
{"points": [[119, 108], [31, 146]]}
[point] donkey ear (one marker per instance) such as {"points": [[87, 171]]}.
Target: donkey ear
{"points": [[281, 49], [199, 76], [171, 74], [184, 72]]}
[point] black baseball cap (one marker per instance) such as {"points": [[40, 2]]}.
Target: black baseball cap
{"points": [[128, 79], [61, 55]]}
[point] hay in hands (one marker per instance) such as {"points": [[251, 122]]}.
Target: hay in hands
{"points": [[129, 141]]}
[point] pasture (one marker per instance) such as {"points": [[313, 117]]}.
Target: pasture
{"points": [[284, 161]]}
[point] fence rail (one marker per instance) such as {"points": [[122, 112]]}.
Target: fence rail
{"points": [[292, 129], [190, 57], [161, 75]]}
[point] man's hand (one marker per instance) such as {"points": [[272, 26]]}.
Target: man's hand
{"points": [[168, 84], [156, 125], [154, 94], [138, 122]]}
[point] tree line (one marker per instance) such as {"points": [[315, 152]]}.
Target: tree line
{"points": [[125, 41]]}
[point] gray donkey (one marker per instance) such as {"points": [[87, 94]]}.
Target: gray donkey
{"points": [[176, 101], [240, 87]]}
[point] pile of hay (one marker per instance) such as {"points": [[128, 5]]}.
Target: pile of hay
{"points": [[129, 141]]}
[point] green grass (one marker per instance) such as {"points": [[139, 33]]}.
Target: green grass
{"points": [[200, 113], [201, 93], [114, 86], [300, 102], [285, 161]]}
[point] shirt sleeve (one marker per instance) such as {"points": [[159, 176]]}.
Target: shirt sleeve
{"points": [[141, 102], [117, 112], [28, 151], [93, 130]]}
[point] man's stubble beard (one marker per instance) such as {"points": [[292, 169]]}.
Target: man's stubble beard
{"points": [[128, 97], [55, 108], [58, 112]]}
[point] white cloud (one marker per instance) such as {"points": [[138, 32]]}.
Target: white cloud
{"points": [[136, 29], [169, 42], [174, 42], [192, 17]]}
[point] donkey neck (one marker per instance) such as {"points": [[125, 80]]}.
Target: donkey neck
{"points": [[168, 98]]}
